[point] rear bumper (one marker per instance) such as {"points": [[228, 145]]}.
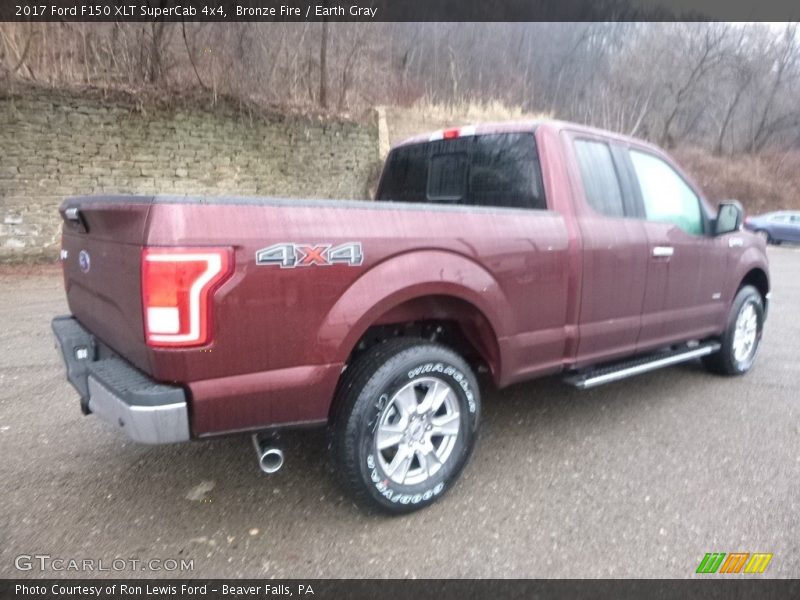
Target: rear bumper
{"points": [[145, 410]]}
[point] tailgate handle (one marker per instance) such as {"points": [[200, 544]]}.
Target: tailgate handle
{"points": [[74, 217]]}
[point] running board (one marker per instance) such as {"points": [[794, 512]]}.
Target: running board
{"points": [[629, 368]]}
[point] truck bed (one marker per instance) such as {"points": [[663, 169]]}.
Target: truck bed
{"points": [[280, 324]]}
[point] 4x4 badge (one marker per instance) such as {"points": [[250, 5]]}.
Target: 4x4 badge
{"points": [[289, 256]]}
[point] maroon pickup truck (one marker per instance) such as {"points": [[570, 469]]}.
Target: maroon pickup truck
{"points": [[515, 249]]}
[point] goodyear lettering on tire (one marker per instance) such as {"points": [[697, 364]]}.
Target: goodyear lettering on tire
{"points": [[397, 497]]}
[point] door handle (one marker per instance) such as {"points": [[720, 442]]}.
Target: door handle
{"points": [[663, 251]]}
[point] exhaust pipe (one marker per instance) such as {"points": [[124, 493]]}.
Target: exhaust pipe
{"points": [[270, 459]]}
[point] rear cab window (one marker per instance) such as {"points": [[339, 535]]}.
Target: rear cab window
{"points": [[601, 184], [499, 169]]}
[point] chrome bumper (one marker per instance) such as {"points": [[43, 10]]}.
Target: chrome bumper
{"points": [[159, 424], [145, 410]]}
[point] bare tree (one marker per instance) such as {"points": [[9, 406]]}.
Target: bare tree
{"points": [[10, 47], [323, 66], [784, 71], [358, 35], [701, 57], [728, 88]]}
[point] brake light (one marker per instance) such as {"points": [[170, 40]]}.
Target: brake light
{"points": [[177, 284], [450, 134]]}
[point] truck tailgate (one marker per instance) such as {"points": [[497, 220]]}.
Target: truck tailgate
{"points": [[101, 258]]}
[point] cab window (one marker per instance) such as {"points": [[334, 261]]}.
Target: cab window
{"points": [[499, 170], [599, 176], [665, 195]]}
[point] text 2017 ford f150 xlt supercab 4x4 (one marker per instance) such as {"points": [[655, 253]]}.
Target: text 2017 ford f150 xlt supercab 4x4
{"points": [[522, 249]]}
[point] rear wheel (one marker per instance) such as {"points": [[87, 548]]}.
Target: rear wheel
{"points": [[740, 341], [406, 424], [764, 235]]}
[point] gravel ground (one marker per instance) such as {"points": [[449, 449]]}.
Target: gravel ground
{"points": [[638, 478]]}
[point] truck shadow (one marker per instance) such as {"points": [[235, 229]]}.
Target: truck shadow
{"points": [[531, 418]]}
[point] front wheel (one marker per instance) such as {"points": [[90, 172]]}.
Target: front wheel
{"points": [[406, 423], [742, 336]]}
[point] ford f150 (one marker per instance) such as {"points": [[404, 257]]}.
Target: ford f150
{"points": [[514, 249]]}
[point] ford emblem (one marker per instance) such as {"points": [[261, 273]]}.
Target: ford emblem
{"points": [[84, 261]]}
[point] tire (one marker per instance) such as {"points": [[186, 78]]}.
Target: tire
{"points": [[736, 356], [764, 235], [383, 398]]}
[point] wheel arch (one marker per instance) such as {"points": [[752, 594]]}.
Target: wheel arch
{"points": [[447, 319], [424, 287], [757, 277]]}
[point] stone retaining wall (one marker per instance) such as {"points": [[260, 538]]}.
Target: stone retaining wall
{"points": [[56, 145]]}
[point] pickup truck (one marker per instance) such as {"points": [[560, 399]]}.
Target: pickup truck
{"points": [[510, 250]]}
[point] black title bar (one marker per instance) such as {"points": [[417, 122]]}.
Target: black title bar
{"points": [[397, 10], [710, 588]]}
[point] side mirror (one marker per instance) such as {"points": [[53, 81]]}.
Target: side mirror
{"points": [[729, 217]]}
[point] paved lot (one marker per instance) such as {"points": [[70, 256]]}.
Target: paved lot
{"points": [[636, 479]]}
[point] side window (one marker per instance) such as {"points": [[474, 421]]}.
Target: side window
{"points": [[599, 176], [666, 196]]}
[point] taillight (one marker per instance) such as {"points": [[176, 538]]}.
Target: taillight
{"points": [[177, 284]]}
